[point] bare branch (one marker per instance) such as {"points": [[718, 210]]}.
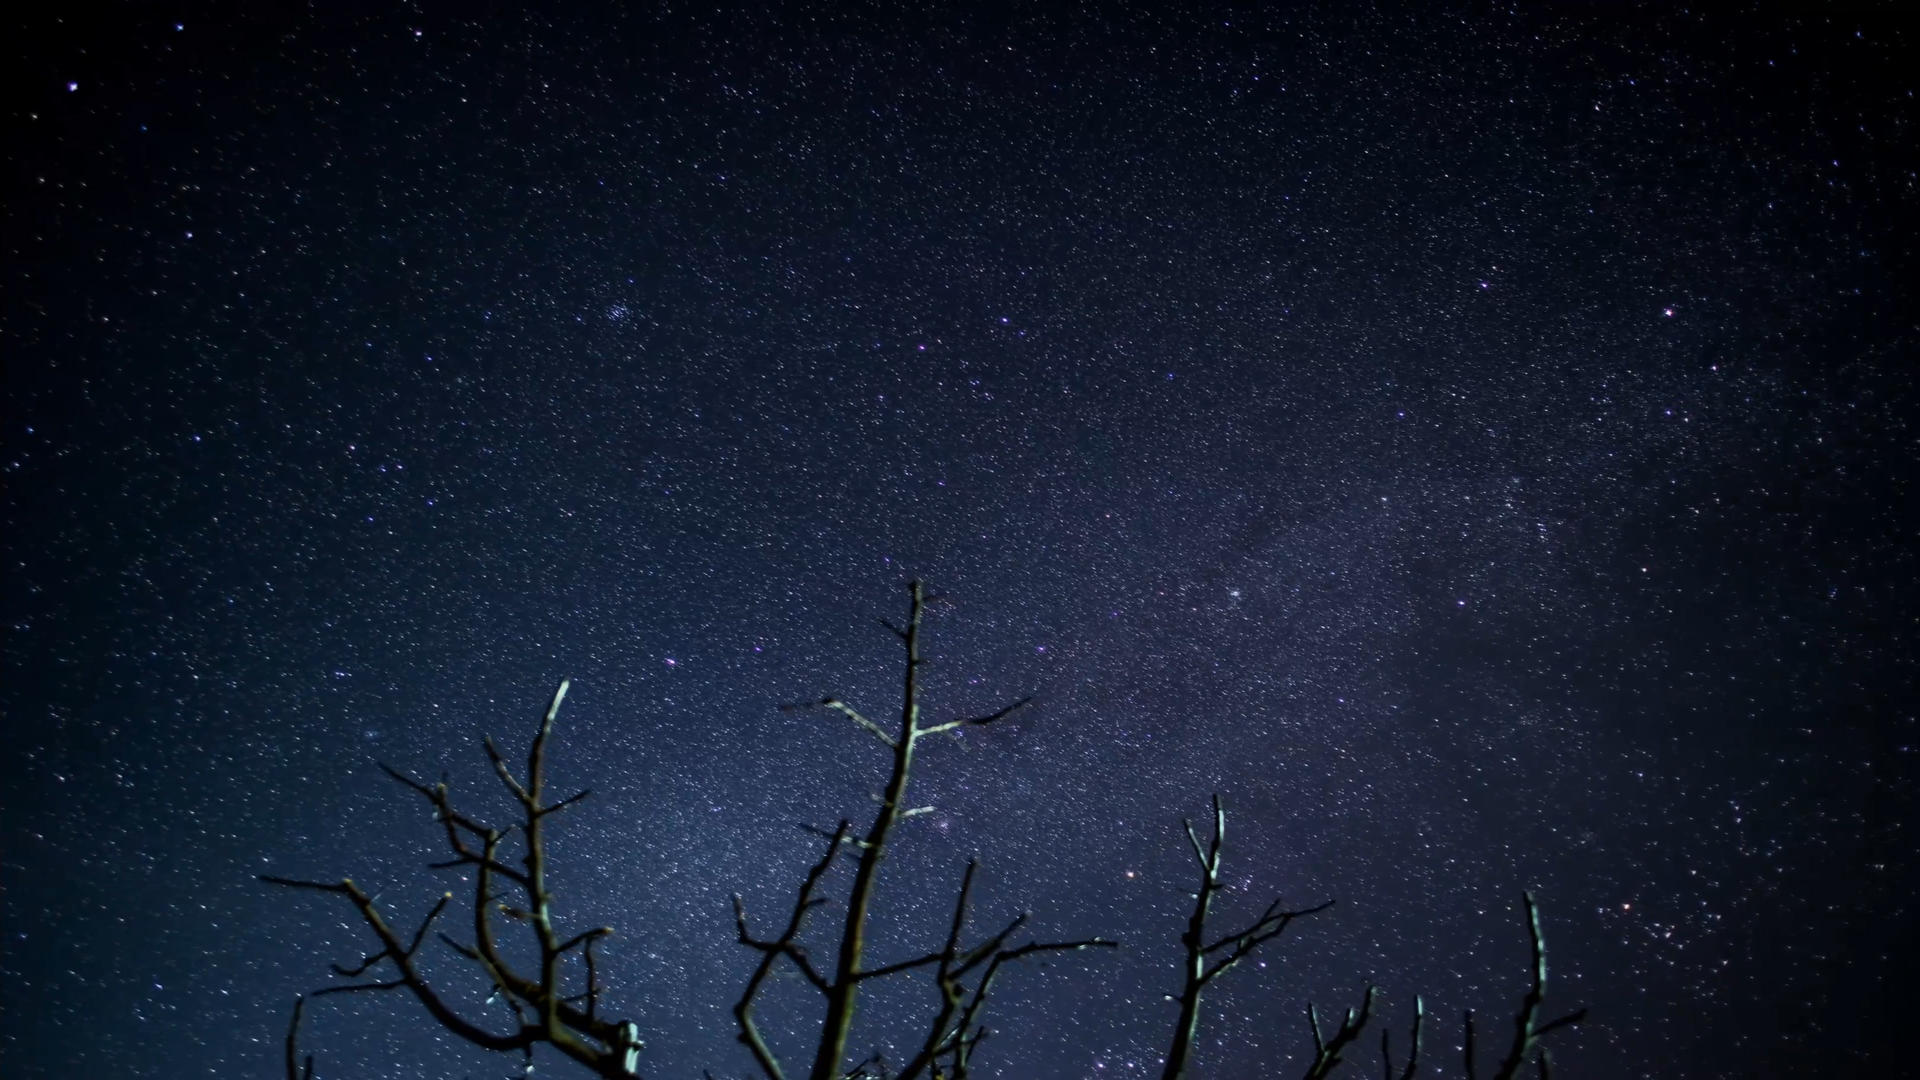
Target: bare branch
{"points": [[537, 753], [1467, 1046], [409, 974], [849, 839], [977, 721], [593, 978], [1568, 1020], [1199, 852], [294, 1069], [414, 946], [845, 983], [1527, 1029], [470, 859], [1413, 1053], [428, 793], [849, 971], [566, 802], [850, 713], [1196, 972], [1270, 925], [296, 883], [1219, 835], [585, 938], [391, 984], [967, 1032], [543, 1011], [1326, 1054], [771, 951], [955, 1029], [505, 774], [457, 825]]}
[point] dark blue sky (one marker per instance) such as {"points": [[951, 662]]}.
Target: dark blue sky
{"points": [[1479, 443]]}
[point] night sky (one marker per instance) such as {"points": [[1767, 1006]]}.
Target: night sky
{"points": [[1479, 443]]}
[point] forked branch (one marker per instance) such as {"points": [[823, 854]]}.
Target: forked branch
{"points": [[544, 1010], [1413, 1052], [786, 945], [1327, 1049], [1527, 1028], [1200, 966], [954, 1029]]}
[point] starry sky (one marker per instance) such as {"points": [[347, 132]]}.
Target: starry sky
{"points": [[1477, 441]]}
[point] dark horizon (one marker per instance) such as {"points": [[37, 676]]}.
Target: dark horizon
{"points": [[1478, 443]]}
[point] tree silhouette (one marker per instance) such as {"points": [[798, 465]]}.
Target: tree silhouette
{"points": [[557, 1001]]}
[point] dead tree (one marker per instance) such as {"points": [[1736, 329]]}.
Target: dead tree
{"points": [[544, 1011], [1205, 961], [955, 1029], [547, 1010]]}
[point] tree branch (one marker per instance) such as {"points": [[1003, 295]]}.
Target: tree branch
{"points": [[544, 1011], [1270, 925], [850, 713], [1527, 1028], [402, 959], [1413, 1053], [771, 951], [978, 721], [958, 1012], [566, 802], [296, 1071], [1195, 971], [844, 986], [1326, 1052]]}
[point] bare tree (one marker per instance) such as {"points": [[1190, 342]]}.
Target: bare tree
{"points": [[543, 1009], [557, 1001], [955, 1029], [1205, 961]]}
